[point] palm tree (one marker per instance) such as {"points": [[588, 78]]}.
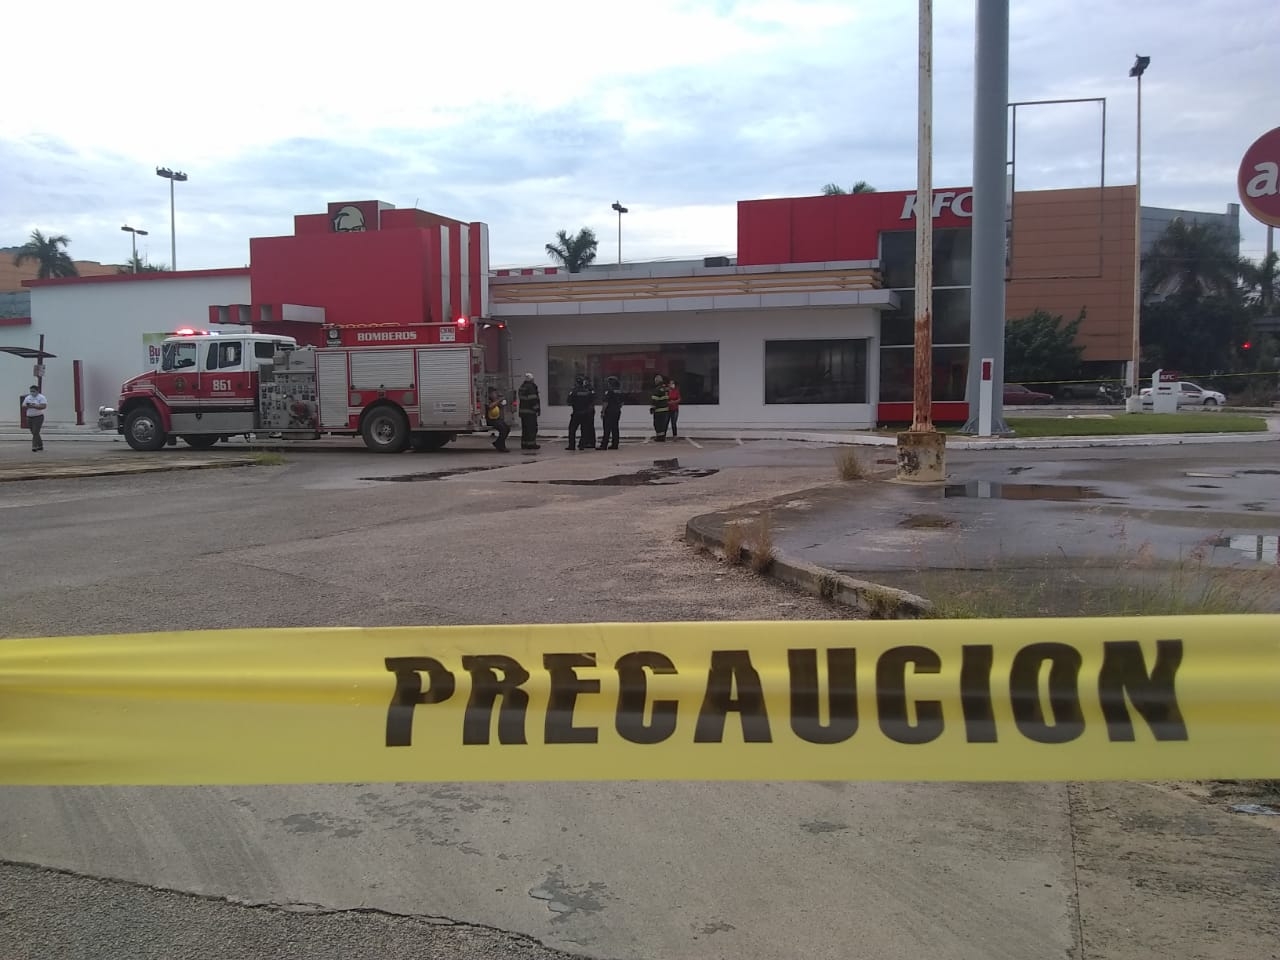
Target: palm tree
{"points": [[137, 265], [48, 253], [1193, 259], [573, 252], [1260, 277], [835, 190]]}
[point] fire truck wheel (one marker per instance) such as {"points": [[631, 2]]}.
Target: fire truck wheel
{"points": [[426, 442], [143, 430], [201, 441], [385, 430]]}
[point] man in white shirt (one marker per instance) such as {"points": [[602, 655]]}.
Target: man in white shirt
{"points": [[35, 405]]}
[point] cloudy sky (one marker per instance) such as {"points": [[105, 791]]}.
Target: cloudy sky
{"points": [[535, 118]]}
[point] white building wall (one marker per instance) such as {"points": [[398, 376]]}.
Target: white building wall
{"points": [[102, 324], [741, 335]]}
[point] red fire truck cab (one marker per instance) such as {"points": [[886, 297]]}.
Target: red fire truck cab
{"points": [[394, 385]]}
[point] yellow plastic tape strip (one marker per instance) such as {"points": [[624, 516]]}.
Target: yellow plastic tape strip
{"points": [[1071, 699]]}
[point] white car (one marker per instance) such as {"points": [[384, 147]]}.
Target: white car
{"points": [[1189, 395]]}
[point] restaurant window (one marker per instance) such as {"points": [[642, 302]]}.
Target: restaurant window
{"points": [[950, 318], [815, 371], [694, 366], [952, 258], [897, 373]]}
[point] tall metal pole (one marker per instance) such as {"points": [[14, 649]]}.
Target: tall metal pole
{"points": [[133, 242], [617, 205], [1133, 403], [1135, 375], [922, 398], [173, 233], [990, 173]]}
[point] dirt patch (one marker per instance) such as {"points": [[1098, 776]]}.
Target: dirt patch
{"points": [[926, 521], [1160, 876]]}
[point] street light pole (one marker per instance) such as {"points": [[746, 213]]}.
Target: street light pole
{"points": [[133, 240], [1133, 403], [617, 205], [172, 176]]}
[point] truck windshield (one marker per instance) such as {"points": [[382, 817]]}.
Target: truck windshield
{"points": [[177, 354]]}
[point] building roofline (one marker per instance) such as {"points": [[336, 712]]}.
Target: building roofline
{"points": [[140, 277]]}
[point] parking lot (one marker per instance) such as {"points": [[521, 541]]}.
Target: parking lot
{"points": [[622, 870]]}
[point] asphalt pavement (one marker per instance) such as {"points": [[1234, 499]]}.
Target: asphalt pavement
{"points": [[616, 870]]}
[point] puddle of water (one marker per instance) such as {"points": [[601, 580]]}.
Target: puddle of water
{"points": [[1206, 486], [1014, 471], [985, 490], [1262, 547], [662, 473], [1265, 473], [438, 475]]}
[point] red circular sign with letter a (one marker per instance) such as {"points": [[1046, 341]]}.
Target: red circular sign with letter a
{"points": [[1259, 179]]}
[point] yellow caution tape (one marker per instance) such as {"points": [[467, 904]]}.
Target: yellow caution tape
{"points": [[1070, 699]]}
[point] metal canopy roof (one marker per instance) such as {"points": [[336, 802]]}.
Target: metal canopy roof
{"points": [[27, 353]]}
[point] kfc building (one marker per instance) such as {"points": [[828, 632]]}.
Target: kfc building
{"points": [[810, 326]]}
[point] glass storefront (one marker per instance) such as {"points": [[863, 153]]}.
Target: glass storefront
{"points": [[952, 275], [815, 371], [694, 366]]}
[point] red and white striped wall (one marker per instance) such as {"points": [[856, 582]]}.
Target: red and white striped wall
{"points": [[458, 278]]}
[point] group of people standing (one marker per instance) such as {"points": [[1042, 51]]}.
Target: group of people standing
{"points": [[664, 405]]}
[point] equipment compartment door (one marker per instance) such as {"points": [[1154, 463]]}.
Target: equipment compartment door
{"points": [[331, 380], [444, 388]]}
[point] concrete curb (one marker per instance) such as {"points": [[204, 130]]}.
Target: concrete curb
{"points": [[78, 471], [877, 601]]}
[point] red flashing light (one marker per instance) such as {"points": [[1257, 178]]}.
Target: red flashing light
{"points": [[1246, 345], [189, 332], [462, 321]]}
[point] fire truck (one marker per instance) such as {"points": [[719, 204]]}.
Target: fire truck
{"points": [[397, 386]]}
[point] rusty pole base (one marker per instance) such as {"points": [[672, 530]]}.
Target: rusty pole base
{"points": [[922, 456]]}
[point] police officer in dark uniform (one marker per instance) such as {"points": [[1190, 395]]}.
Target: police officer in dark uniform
{"points": [[530, 405], [582, 402], [610, 414]]}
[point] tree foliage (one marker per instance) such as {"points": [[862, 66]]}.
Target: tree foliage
{"points": [[1041, 348], [1194, 334], [835, 190], [574, 251], [137, 265], [49, 254], [1192, 258]]}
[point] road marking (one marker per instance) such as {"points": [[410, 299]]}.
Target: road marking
{"points": [[739, 439], [694, 442]]}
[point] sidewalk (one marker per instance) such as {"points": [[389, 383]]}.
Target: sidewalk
{"points": [[1065, 531]]}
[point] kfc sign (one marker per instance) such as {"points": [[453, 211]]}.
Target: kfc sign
{"points": [[355, 217], [960, 204], [1259, 178]]}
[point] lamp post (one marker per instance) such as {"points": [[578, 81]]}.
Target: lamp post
{"points": [[172, 176], [134, 233], [1133, 402], [621, 210]]}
